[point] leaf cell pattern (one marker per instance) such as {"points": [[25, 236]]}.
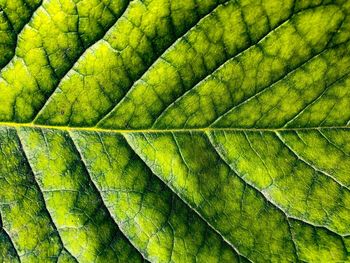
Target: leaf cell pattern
{"points": [[174, 131]]}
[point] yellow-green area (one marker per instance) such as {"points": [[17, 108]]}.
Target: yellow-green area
{"points": [[175, 131], [175, 196]]}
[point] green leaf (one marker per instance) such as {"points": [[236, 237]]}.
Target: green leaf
{"points": [[174, 131]]}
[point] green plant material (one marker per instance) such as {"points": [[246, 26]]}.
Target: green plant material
{"points": [[174, 131]]}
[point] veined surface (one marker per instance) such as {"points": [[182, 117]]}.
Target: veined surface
{"points": [[174, 131]]}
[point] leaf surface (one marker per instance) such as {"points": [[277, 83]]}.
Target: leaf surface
{"points": [[174, 131]]}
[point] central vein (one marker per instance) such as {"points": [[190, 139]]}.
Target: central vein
{"points": [[127, 130]]}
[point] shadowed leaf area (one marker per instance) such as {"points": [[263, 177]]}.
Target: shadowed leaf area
{"points": [[175, 131]]}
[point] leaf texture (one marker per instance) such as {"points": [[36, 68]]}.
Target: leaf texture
{"points": [[174, 131]]}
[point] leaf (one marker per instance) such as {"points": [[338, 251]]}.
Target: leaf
{"points": [[174, 131]]}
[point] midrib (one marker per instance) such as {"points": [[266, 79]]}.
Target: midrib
{"points": [[205, 129]]}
